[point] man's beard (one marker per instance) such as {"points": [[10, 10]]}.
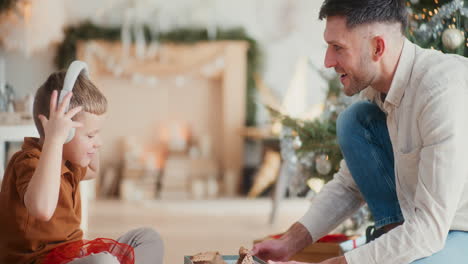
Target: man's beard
{"points": [[359, 83]]}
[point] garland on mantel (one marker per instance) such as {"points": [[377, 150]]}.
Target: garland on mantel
{"points": [[66, 51]]}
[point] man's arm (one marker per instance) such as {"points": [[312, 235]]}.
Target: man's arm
{"points": [[297, 238], [336, 202]]}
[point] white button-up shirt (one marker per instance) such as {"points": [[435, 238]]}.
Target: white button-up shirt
{"points": [[427, 119]]}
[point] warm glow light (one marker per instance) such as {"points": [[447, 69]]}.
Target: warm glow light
{"points": [[27, 11], [164, 135], [154, 159], [315, 184], [177, 134], [29, 27], [315, 111], [160, 158], [276, 128]]}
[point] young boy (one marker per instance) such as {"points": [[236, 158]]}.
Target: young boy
{"points": [[40, 195]]}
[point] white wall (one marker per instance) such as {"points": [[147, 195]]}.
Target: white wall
{"points": [[282, 40], [26, 74]]}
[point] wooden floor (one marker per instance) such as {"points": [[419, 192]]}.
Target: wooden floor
{"points": [[189, 227]]}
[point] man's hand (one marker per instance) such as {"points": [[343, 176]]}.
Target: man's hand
{"points": [[275, 249], [59, 123], [337, 260], [293, 241]]}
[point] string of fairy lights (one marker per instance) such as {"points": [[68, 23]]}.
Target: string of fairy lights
{"points": [[446, 23]]}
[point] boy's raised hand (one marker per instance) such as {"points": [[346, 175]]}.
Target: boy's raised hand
{"points": [[59, 123]]}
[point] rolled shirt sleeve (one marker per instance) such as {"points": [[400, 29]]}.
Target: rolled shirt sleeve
{"points": [[338, 199]]}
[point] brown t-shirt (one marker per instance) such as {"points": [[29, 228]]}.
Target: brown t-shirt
{"points": [[23, 238]]}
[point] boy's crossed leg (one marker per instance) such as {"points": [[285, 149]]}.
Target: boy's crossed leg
{"points": [[147, 244]]}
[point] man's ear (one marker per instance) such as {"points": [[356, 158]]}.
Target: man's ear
{"points": [[379, 47]]}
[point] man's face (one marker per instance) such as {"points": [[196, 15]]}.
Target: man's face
{"points": [[86, 142], [349, 52]]}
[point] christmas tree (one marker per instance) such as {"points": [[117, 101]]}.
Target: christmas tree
{"points": [[312, 144], [439, 24]]}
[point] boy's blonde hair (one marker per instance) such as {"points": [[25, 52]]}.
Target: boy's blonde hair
{"points": [[85, 94]]}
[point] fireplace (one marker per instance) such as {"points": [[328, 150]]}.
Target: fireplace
{"points": [[187, 99]]}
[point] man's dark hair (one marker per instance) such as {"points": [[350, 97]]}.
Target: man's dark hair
{"points": [[358, 12]]}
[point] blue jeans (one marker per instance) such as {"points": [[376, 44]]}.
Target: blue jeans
{"points": [[365, 143]]}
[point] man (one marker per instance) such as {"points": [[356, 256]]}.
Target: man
{"points": [[404, 147]]}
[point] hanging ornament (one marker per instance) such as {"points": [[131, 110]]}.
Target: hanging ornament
{"points": [[414, 2], [297, 143], [423, 27], [323, 164], [304, 168], [452, 38]]}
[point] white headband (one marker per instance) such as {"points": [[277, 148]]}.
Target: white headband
{"points": [[73, 72]]}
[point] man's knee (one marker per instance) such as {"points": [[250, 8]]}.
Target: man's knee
{"points": [[352, 119]]}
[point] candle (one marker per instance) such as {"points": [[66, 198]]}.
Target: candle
{"points": [[179, 136]]}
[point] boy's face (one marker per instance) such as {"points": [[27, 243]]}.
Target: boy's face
{"points": [[86, 142]]}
